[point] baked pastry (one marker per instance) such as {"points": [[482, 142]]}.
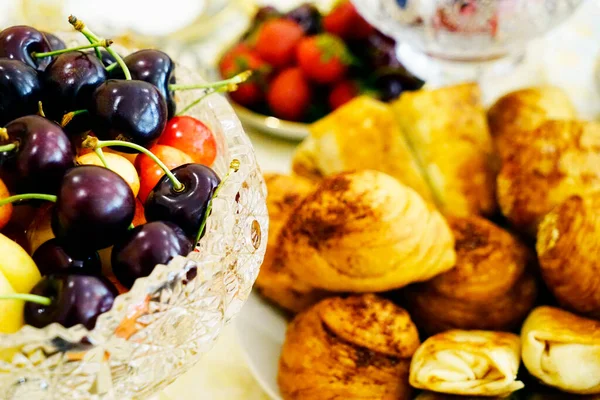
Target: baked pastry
{"points": [[444, 396], [448, 131], [366, 232], [517, 114], [470, 363], [558, 159], [362, 134], [562, 350], [488, 288], [353, 348], [276, 281], [568, 246]]}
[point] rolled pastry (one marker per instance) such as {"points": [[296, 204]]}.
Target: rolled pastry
{"points": [[448, 132], [276, 281], [469, 363], [516, 114], [559, 159], [562, 350], [568, 246], [353, 348], [366, 232], [488, 288], [362, 134]]}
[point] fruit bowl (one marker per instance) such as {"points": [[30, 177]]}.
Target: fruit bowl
{"points": [[162, 326]]}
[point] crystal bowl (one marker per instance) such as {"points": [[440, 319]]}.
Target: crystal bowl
{"points": [[164, 324]]}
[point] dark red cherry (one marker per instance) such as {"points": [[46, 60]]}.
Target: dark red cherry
{"points": [[69, 82], [145, 247], [94, 208], [106, 58], [18, 42], [54, 41], [184, 208], [307, 16], [76, 299], [52, 257], [133, 111], [43, 154], [20, 90], [152, 66]]}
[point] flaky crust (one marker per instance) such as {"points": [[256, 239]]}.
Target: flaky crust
{"points": [[524, 110], [558, 159], [276, 281], [364, 232], [562, 350], [568, 247], [362, 134], [448, 132], [354, 348], [488, 288]]}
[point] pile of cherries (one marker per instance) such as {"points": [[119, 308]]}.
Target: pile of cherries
{"points": [[99, 136]]}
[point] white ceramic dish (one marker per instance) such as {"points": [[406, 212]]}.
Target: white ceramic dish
{"points": [[271, 125]]}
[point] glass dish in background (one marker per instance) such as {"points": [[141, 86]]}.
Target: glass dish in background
{"points": [[445, 41], [164, 324]]}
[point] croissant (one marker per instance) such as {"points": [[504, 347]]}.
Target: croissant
{"points": [[558, 159], [366, 232], [353, 348], [448, 131], [470, 363], [568, 246], [562, 350], [362, 134], [488, 288], [276, 281], [524, 110]]}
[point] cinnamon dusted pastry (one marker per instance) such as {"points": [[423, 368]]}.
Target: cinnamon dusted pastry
{"points": [[448, 131], [470, 363], [276, 281], [362, 134], [489, 287], [524, 110], [354, 348], [568, 247], [558, 159], [562, 350], [365, 232]]}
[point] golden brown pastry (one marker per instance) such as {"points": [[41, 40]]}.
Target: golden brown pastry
{"points": [[562, 350], [568, 247], [559, 159], [275, 281], [444, 396], [362, 134], [366, 232], [353, 348], [448, 132], [489, 287], [469, 363], [524, 110]]}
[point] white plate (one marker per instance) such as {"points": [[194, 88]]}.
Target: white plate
{"points": [[260, 328], [271, 125]]}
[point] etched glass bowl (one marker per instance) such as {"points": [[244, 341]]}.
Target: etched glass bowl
{"points": [[164, 324]]}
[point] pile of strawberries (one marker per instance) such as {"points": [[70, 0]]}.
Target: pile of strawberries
{"points": [[306, 64]]}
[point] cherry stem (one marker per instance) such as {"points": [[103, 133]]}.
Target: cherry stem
{"points": [[234, 166], [32, 298], [28, 196], [80, 26], [231, 83], [8, 147], [100, 155], [68, 117], [41, 112], [93, 143], [3, 134], [103, 43], [193, 104], [112, 66]]}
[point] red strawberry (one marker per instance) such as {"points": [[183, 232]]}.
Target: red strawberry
{"points": [[345, 22], [323, 58], [277, 41], [289, 95], [240, 59], [342, 93]]}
